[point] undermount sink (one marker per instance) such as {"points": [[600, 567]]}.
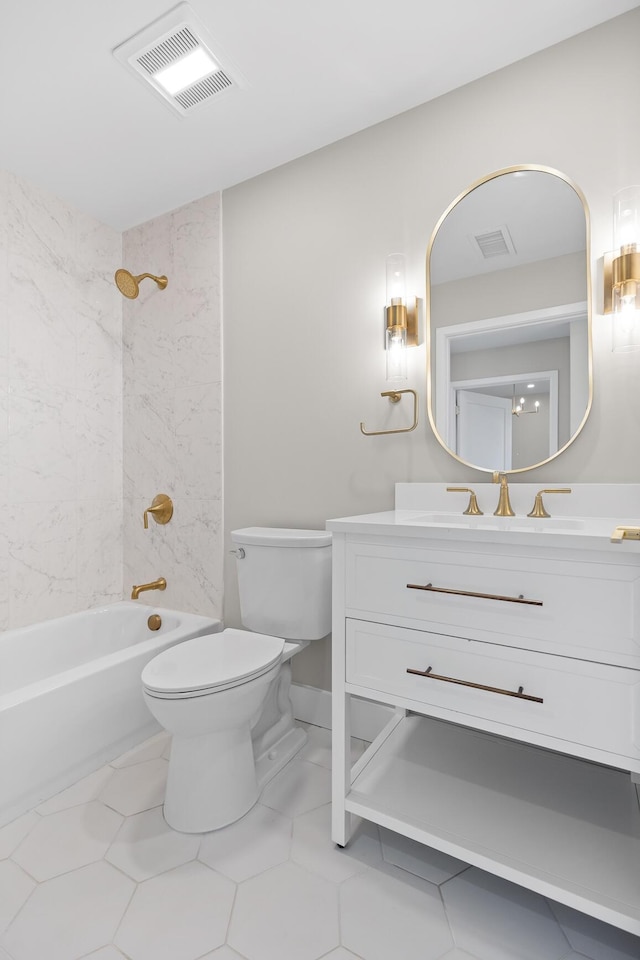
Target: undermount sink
{"points": [[489, 522]]}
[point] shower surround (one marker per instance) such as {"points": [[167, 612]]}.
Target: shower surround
{"points": [[61, 408], [68, 468], [172, 407]]}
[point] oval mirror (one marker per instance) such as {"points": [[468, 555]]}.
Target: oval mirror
{"points": [[509, 320]]}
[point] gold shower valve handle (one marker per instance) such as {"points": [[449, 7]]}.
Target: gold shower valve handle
{"points": [[161, 510]]}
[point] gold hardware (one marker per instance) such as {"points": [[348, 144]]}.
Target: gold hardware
{"points": [[538, 506], [504, 508], [129, 286], [394, 397], [399, 315], [621, 269], [519, 693], [159, 584], [154, 622], [473, 510], [470, 593], [625, 533], [161, 510]]}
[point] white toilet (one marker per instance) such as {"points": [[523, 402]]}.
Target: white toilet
{"points": [[225, 697]]}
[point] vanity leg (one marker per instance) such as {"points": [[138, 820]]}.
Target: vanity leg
{"points": [[341, 764]]}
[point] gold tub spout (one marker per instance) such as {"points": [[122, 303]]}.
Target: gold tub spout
{"points": [[159, 584]]}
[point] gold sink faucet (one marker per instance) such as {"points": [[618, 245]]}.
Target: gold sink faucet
{"points": [[159, 584], [504, 508]]}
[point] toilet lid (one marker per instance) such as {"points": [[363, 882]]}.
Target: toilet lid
{"points": [[214, 661]]}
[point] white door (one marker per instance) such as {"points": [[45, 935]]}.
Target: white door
{"points": [[484, 429]]}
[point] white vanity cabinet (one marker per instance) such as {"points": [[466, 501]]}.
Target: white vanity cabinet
{"points": [[512, 662]]}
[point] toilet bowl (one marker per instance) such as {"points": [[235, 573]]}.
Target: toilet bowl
{"points": [[206, 693], [225, 697]]}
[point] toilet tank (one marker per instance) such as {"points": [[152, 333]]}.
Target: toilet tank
{"points": [[284, 581]]}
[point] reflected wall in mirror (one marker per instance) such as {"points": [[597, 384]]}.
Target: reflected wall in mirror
{"points": [[509, 320]]}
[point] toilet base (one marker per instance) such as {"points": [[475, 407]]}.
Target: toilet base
{"points": [[278, 756], [211, 781], [216, 778]]}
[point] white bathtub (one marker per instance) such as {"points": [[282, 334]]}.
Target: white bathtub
{"points": [[70, 695]]}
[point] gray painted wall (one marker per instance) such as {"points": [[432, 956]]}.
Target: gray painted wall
{"points": [[304, 250]]}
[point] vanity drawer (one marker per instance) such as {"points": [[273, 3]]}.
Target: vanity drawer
{"points": [[573, 701], [586, 609]]}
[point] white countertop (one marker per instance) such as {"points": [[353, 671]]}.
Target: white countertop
{"points": [[427, 511]]}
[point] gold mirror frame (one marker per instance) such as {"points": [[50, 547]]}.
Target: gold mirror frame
{"points": [[454, 203]]}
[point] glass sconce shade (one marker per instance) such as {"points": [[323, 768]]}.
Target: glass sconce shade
{"points": [[396, 284], [396, 344], [626, 218], [396, 314], [626, 319], [626, 269]]}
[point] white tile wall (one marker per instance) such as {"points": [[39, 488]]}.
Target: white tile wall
{"points": [[68, 470], [60, 408], [172, 407]]}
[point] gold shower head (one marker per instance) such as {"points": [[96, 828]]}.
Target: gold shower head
{"points": [[129, 286]]}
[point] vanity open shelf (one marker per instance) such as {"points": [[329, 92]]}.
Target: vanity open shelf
{"points": [[527, 764], [563, 827]]}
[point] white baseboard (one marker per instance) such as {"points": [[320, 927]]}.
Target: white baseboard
{"points": [[312, 705]]}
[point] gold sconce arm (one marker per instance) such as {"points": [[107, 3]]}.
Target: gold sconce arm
{"points": [[161, 510], [621, 269], [394, 397]]}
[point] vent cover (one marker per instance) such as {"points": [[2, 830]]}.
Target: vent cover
{"points": [[166, 42], [493, 243]]}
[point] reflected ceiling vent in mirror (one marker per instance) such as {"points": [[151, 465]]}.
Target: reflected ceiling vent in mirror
{"points": [[181, 62], [494, 243]]}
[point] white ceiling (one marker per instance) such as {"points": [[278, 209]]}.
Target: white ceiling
{"points": [[73, 120]]}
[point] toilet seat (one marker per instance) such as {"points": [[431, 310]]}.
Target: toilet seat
{"points": [[211, 663]]}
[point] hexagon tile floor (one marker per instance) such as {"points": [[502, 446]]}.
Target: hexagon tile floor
{"points": [[96, 873]]}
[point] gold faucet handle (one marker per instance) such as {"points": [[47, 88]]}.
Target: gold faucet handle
{"points": [[473, 510], [161, 510], [538, 510]]}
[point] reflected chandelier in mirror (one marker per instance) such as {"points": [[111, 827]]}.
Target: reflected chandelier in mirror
{"points": [[509, 368]]}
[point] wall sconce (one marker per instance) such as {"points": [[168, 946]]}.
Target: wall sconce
{"points": [[622, 271], [401, 322]]}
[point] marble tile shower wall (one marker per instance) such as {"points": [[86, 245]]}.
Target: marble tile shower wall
{"points": [[172, 407], [60, 408]]}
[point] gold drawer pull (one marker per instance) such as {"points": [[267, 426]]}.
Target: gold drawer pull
{"points": [[476, 686], [469, 593]]}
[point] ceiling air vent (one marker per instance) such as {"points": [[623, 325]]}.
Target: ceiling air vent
{"points": [[493, 243], [180, 61]]}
